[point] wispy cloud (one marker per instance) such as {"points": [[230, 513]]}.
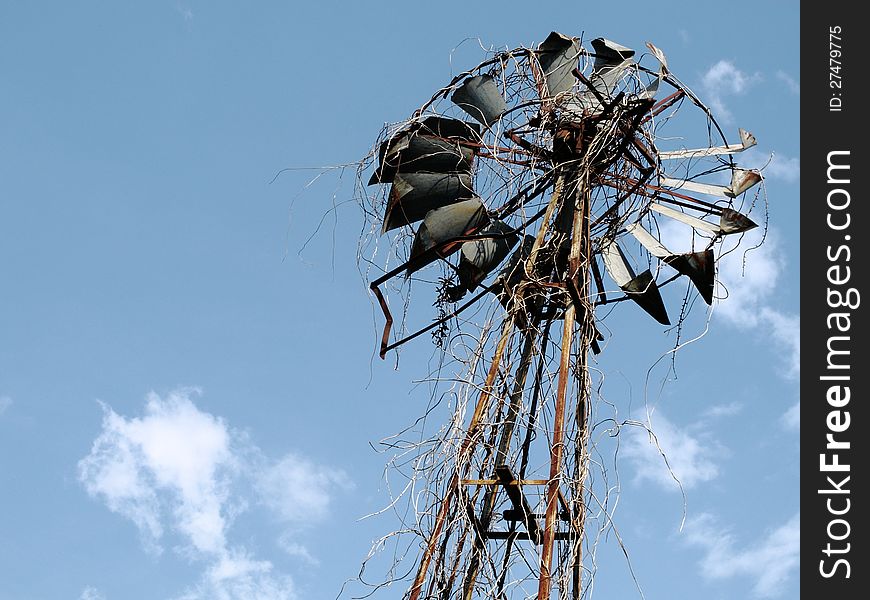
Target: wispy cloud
{"points": [[182, 471], [773, 165], [5, 403], [185, 12], [748, 288], [236, 576], [792, 417], [791, 84], [752, 283], [724, 410], [722, 80], [673, 454], [298, 490], [91, 593], [770, 561]]}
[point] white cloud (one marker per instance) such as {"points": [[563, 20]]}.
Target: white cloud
{"points": [[748, 279], [721, 80], [724, 410], [185, 12], [299, 490], [91, 593], [5, 403], [769, 561], [183, 471], [793, 86], [751, 287], [792, 417], [238, 577], [674, 453], [773, 165]]}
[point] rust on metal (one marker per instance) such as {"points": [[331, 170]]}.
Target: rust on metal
{"points": [[699, 267], [742, 180], [732, 221], [518, 499]]}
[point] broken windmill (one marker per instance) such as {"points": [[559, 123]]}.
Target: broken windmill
{"points": [[546, 183]]}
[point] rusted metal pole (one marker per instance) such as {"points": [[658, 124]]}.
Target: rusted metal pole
{"points": [[462, 462], [579, 272], [501, 456], [556, 455], [519, 383], [579, 243]]}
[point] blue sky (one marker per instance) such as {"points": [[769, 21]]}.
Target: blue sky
{"points": [[190, 400]]}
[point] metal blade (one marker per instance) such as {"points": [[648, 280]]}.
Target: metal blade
{"points": [[646, 239], [418, 152], [732, 221], [608, 52], [480, 257], [700, 268], [617, 266], [742, 180], [412, 195], [644, 291], [558, 56], [416, 148], [747, 140], [480, 97], [694, 186], [684, 218], [443, 224], [660, 56]]}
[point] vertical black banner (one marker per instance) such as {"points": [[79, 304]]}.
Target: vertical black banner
{"points": [[835, 268]]}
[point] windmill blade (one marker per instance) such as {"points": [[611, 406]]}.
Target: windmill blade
{"points": [[699, 267], [480, 97], [640, 288], [747, 140], [694, 186], [558, 56], [419, 152], [608, 53], [652, 89], [480, 257], [660, 56], [742, 180], [425, 146], [647, 240], [443, 224], [615, 263], [732, 221], [684, 218], [612, 60], [412, 195], [644, 291]]}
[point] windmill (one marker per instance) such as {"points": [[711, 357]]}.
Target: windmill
{"points": [[546, 184]]}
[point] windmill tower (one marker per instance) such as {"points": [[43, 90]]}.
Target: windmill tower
{"points": [[556, 181]]}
